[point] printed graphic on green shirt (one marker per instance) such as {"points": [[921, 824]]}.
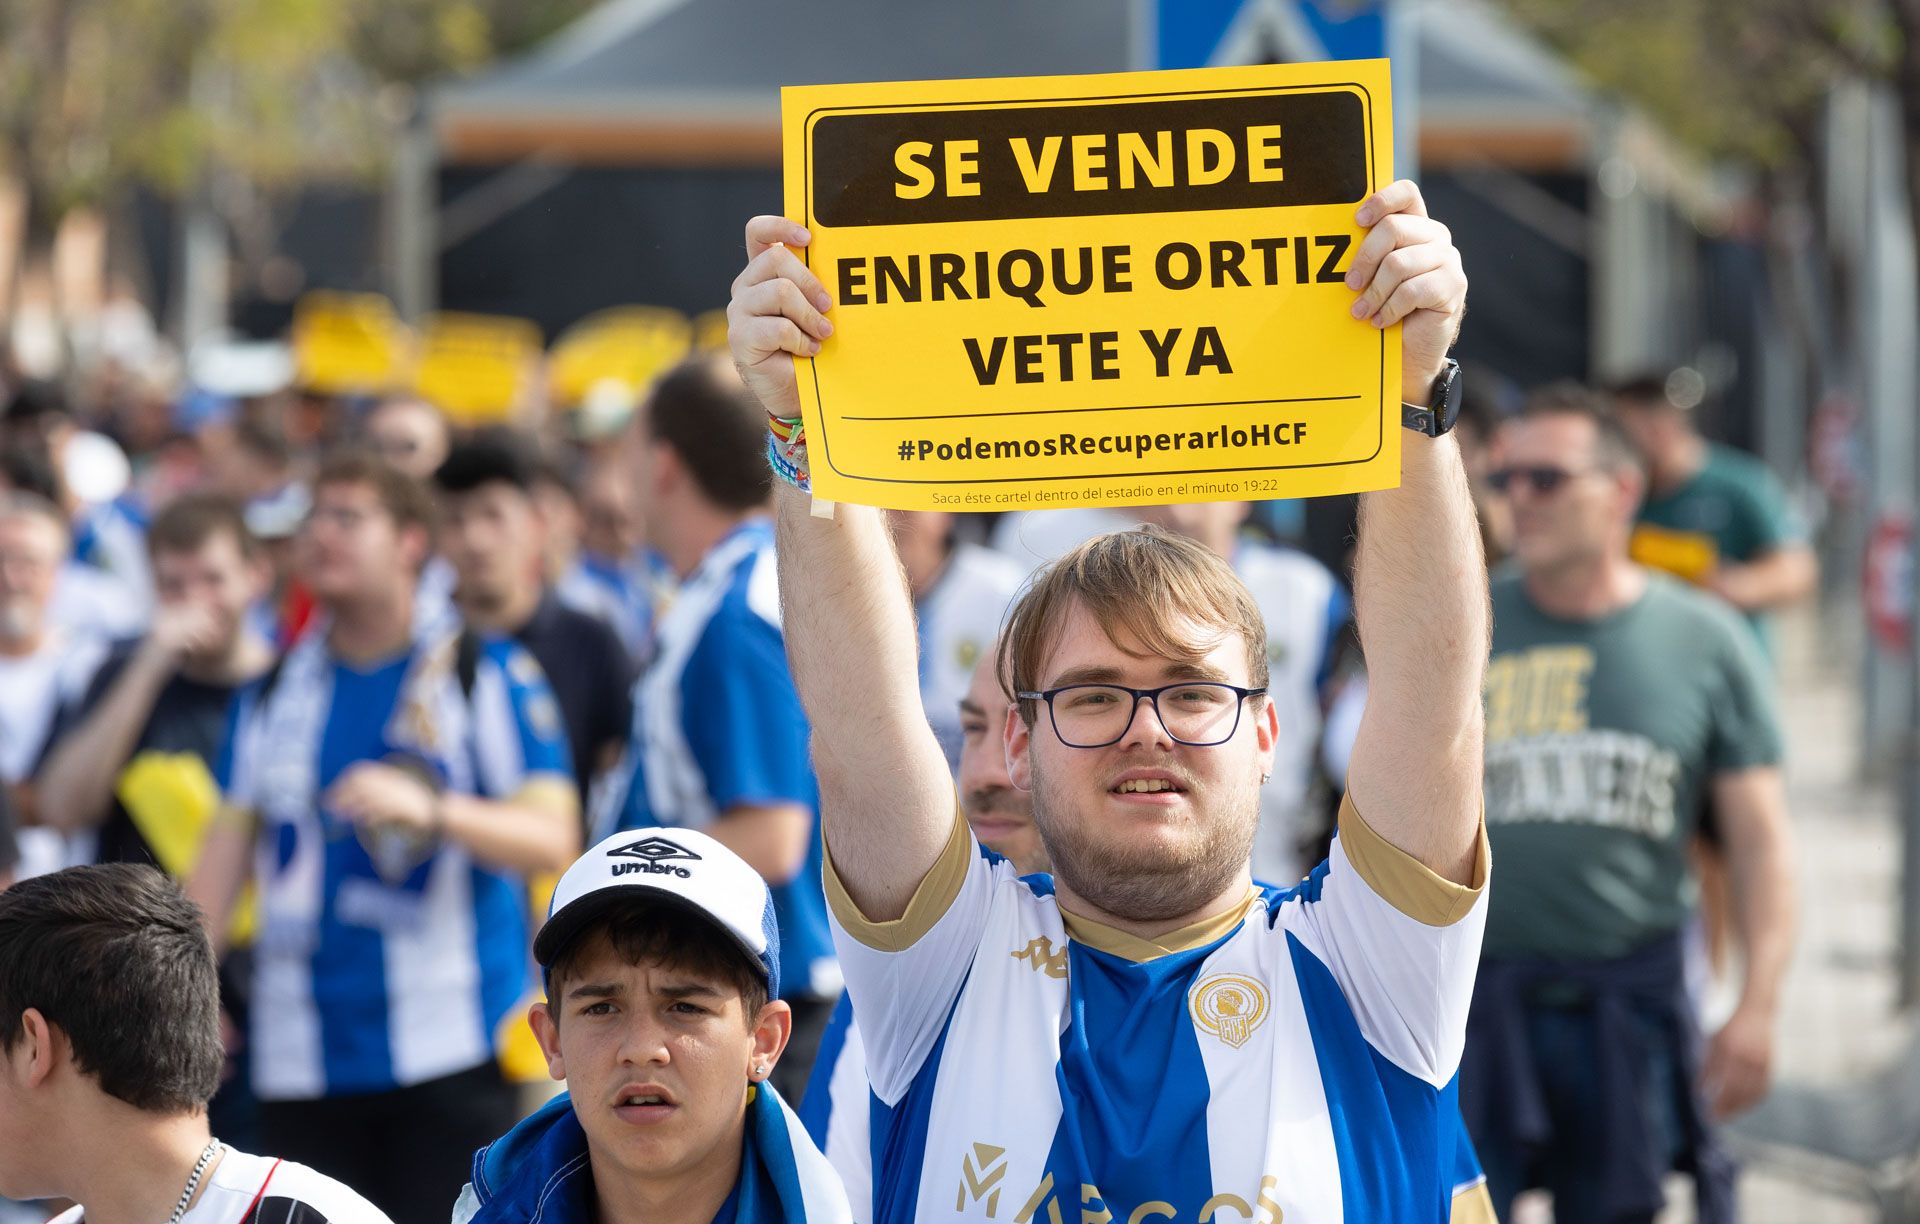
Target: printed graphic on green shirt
{"points": [[1602, 737]]}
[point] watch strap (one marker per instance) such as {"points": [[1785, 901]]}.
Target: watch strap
{"points": [[1420, 420]]}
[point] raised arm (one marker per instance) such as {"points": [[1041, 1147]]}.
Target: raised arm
{"points": [[886, 799], [76, 782], [1420, 581]]}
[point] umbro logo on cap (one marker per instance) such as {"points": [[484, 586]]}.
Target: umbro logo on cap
{"points": [[627, 867], [656, 856]]}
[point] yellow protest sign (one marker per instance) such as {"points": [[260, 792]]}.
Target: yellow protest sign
{"points": [[1120, 289], [475, 367], [632, 345], [348, 343], [1691, 555], [710, 331]]}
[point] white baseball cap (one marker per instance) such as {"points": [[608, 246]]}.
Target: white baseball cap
{"points": [[676, 866]]}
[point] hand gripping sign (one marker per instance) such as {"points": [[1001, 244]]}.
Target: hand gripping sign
{"points": [[1121, 289]]}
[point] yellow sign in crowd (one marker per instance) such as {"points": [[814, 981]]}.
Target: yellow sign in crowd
{"points": [[479, 368]]}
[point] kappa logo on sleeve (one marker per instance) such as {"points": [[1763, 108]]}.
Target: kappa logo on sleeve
{"points": [[1043, 957], [654, 856]]}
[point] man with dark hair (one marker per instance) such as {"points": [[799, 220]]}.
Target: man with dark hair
{"points": [[1615, 698], [9, 846], [109, 1052], [1714, 516], [392, 787], [697, 414], [720, 742], [662, 956], [133, 757], [494, 534]]}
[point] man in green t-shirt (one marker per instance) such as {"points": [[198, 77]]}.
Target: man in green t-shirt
{"points": [[1714, 516], [1615, 698]]}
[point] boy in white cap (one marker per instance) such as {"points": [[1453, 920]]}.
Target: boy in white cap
{"points": [[662, 963]]}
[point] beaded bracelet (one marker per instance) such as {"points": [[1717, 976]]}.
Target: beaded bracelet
{"points": [[785, 468]]}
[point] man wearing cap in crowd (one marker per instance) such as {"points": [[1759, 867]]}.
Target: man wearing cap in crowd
{"points": [[662, 960]]}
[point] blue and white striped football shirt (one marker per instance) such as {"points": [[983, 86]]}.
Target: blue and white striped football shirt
{"points": [[1292, 1060], [717, 724], [383, 962]]}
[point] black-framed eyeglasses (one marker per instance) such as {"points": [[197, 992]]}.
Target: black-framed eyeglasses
{"points": [[1197, 713], [1543, 479]]}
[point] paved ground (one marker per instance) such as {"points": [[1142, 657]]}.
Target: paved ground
{"points": [[1838, 1020]]}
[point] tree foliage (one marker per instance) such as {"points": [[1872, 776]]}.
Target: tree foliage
{"points": [[1732, 79], [98, 94]]}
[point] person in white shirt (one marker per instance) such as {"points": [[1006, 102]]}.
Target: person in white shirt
{"points": [[109, 1052], [42, 664], [961, 592], [1146, 1034]]}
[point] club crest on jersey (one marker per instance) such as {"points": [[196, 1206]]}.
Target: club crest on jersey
{"points": [[653, 855], [1229, 1006], [396, 854]]}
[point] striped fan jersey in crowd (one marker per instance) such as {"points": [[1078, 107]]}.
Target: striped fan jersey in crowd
{"points": [[1293, 1059], [718, 724], [839, 1105], [622, 594], [111, 536], [383, 960], [838, 1114], [959, 620]]}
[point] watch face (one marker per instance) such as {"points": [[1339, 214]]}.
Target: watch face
{"points": [[1446, 400]]}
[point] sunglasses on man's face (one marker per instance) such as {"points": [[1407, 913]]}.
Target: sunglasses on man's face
{"points": [[1542, 479]]}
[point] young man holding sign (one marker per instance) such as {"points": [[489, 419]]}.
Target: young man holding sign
{"points": [[1151, 1037]]}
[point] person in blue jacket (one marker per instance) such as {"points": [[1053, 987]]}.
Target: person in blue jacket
{"points": [[661, 956]]}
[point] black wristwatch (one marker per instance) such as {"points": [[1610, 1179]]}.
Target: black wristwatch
{"points": [[1443, 404]]}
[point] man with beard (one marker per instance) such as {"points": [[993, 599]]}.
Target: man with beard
{"points": [[838, 1106], [1147, 1035]]}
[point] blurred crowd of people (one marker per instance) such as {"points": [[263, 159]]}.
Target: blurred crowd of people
{"points": [[366, 681]]}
